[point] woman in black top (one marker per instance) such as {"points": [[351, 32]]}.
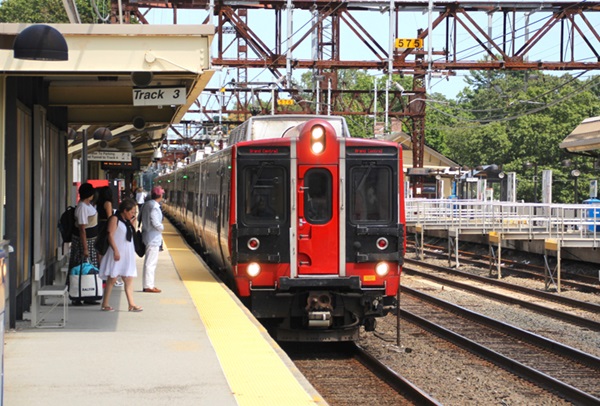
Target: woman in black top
{"points": [[105, 210], [104, 206]]}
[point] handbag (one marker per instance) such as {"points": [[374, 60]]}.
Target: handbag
{"points": [[84, 268], [85, 287], [138, 243], [85, 282], [101, 245]]}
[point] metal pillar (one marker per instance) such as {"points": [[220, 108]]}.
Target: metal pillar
{"points": [[495, 255], [453, 235], [419, 241], [552, 276]]}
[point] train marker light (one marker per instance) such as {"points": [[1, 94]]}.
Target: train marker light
{"points": [[317, 139], [253, 269], [382, 268], [382, 243], [253, 243]]}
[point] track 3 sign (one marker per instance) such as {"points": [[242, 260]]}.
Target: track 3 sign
{"points": [[159, 96]]}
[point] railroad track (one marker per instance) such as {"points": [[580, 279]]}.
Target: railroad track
{"points": [[583, 283], [564, 370], [346, 374], [590, 310]]}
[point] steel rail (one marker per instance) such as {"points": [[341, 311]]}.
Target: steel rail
{"points": [[553, 297], [589, 287], [392, 378], [509, 364], [581, 321]]}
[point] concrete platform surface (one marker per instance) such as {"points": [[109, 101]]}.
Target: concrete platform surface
{"points": [[160, 356]]}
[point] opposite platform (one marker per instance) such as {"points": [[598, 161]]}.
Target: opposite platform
{"points": [[194, 343]]}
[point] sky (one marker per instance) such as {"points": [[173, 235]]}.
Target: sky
{"points": [[377, 24]]}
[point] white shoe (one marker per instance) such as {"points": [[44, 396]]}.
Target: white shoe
{"points": [[119, 284]]}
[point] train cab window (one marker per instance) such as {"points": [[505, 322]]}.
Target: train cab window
{"points": [[317, 196], [370, 194], [264, 195]]}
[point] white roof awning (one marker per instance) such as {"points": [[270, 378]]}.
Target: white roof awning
{"points": [[585, 137], [106, 62]]}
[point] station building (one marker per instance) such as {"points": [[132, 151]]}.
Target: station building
{"points": [[54, 111]]}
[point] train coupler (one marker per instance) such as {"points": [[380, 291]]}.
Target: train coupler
{"points": [[319, 319]]}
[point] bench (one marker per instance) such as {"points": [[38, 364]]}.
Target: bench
{"points": [[40, 293], [62, 261]]}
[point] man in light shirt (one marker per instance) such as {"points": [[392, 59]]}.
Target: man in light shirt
{"points": [[152, 229]]}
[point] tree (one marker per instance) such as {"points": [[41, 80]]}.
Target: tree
{"points": [[48, 11], [509, 118]]}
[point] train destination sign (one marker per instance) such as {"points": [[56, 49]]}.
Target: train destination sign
{"points": [[284, 151], [159, 96], [369, 150], [114, 156]]}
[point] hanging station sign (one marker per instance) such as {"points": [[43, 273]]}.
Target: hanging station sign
{"points": [[114, 156], [133, 165], [159, 96]]}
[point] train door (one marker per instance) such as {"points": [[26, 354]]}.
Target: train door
{"points": [[318, 222]]}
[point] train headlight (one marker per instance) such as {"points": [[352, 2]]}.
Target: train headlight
{"points": [[382, 243], [317, 139], [253, 243], [253, 269], [382, 268]]}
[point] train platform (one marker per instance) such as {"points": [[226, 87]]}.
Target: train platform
{"points": [[194, 343]]}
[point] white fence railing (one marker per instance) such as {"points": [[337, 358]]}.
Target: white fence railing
{"points": [[555, 220]]}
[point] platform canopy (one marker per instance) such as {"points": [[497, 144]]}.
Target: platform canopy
{"points": [[432, 160], [585, 138], [117, 76]]}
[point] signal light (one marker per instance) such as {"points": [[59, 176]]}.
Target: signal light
{"points": [[253, 243], [317, 139], [382, 243]]}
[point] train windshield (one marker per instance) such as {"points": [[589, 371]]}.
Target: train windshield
{"points": [[264, 194], [371, 199]]}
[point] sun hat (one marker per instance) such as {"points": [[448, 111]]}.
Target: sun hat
{"points": [[158, 191]]}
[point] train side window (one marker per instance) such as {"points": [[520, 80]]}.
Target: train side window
{"points": [[317, 196], [190, 201], [264, 194], [370, 194], [200, 206]]}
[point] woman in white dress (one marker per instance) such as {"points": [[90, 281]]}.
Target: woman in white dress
{"points": [[119, 259]]}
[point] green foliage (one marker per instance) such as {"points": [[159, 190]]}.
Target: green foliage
{"points": [[510, 118], [503, 118], [48, 11]]}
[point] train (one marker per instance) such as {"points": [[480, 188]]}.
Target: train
{"points": [[303, 222]]}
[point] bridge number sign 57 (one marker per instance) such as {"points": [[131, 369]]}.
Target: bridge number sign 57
{"points": [[406, 43]]}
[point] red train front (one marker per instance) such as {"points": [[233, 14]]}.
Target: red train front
{"points": [[317, 235], [304, 223]]}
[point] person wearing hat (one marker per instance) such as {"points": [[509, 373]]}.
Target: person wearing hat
{"points": [[152, 229], [86, 229]]}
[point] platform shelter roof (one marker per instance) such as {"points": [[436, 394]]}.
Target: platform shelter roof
{"points": [[584, 138], [107, 63], [431, 158]]}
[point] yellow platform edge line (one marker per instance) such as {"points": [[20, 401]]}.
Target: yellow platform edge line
{"points": [[254, 371]]}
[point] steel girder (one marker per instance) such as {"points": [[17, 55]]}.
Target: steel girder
{"points": [[508, 50]]}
